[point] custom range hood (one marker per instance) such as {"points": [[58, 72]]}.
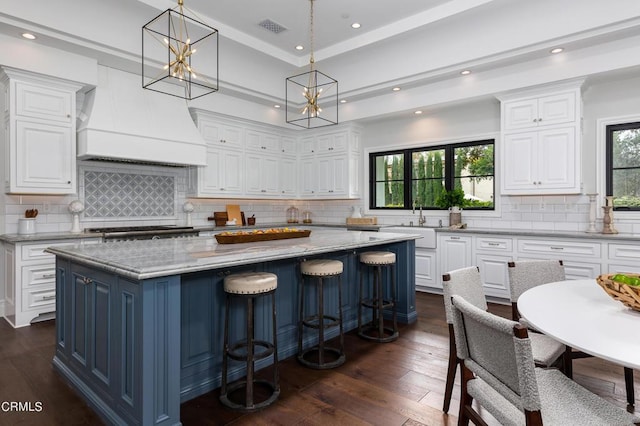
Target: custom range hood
{"points": [[120, 121]]}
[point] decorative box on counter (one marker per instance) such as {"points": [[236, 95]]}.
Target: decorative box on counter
{"points": [[362, 221]]}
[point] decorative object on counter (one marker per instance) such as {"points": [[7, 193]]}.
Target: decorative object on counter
{"points": [[221, 218], [233, 213], [231, 223], [260, 235], [624, 288], [188, 208], [27, 225], [172, 38], [454, 201], [31, 213], [306, 216], [592, 213], [293, 214], [316, 88], [362, 220], [356, 212], [75, 208], [608, 221], [251, 220], [608, 201]]}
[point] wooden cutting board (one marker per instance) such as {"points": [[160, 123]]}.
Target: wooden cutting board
{"points": [[233, 212]]}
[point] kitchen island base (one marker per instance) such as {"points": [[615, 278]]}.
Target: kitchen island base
{"points": [[136, 349]]}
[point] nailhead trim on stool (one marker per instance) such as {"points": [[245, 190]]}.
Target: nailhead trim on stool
{"points": [[321, 267], [249, 286], [319, 270], [250, 283], [378, 260], [378, 257]]}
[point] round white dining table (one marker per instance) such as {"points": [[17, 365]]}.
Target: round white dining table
{"points": [[580, 314]]}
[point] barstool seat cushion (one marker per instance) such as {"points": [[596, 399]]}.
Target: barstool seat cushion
{"points": [[378, 258], [250, 283], [321, 267]]}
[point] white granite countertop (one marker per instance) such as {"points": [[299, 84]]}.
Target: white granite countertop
{"points": [[145, 259], [543, 233]]}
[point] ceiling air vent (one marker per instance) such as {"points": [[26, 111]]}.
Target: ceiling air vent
{"points": [[274, 27]]}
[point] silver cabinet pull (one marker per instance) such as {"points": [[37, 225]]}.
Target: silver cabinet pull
{"points": [[557, 248], [48, 297], [86, 280]]}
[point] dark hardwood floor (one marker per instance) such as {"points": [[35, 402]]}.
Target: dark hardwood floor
{"points": [[399, 383]]}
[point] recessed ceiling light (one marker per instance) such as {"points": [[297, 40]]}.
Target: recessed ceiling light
{"points": [[28, 36], [299, 47], [396, 89], [343, 101], [355, 25], [276, 106], [465, 72], [418, 112], [556, 50]]}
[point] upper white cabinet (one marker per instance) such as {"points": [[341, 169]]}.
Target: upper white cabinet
{"points": [[252, 160], [541, 141], [39, 133]]}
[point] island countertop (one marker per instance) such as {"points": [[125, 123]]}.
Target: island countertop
{"points": [[144, 259]]}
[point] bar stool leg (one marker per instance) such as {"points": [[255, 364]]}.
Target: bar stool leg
{"points": [[340, 314], [394, 298], [301, 313], [380, 308], [276, 373], [320, 321], [225, 360], [360, 296], [250, 350]]}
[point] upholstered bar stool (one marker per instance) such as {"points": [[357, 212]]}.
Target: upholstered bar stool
{"points": [[381, 262], [249, 286], [320, 356]]}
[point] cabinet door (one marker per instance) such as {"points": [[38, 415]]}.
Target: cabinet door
{"points": [[261, 175], [325, 178], [557, 160], [309, 177], [332, 143], [231, 169], [556, 109], [288, 173], [333, 176], [44, 102], [288, 146], [494, 273], [426, 269], [220, 134], [519, 162], [262, 142], [454, 252], [308, 146], [210, 177], [520, 114], [44, 160]]}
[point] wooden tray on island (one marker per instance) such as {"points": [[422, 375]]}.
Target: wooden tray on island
{"points": [[254, 236]]}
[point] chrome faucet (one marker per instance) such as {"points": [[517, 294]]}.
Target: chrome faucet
{"points": [[422, 219]]}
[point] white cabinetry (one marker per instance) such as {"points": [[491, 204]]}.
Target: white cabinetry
{"points": [[39, 129], [492, 256], [29, 278], [426, 268], [581, 259], [541, 141], [330, 165], [454, 252], [261, 175]]}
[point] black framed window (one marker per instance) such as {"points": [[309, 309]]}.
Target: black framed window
{"points": [[623, 165], [400, 178]]}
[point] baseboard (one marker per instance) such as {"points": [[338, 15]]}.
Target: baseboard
{"points": [[2, 308]]}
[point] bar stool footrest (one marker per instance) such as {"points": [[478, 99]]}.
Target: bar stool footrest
{"points": [[325, 365], [225, 400], [373, 303], [389, 333], [234, 353], [309, 322]]}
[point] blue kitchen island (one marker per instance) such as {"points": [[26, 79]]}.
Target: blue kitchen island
{"points": [[139, 324]]}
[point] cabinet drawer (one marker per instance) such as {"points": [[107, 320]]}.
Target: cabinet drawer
{"points": [[494, 244], [36, 252], [39, 297], [624, 252], [563, 248], [33, 275]]}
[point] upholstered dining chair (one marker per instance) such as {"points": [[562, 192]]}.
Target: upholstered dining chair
{"points": [[467, 282], [526, 274], [499, 373]]}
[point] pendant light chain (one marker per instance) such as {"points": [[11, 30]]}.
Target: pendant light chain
{"points": [[311, 58]]}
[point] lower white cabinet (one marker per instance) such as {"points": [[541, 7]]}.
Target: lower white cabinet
{"points": [[426, 268], [492, 256], [454, 252], [30, 279]]}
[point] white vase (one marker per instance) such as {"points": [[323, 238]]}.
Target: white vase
{"points": [[75, 224]]}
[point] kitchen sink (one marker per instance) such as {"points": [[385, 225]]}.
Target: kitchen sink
{"points": [[428, 239]]}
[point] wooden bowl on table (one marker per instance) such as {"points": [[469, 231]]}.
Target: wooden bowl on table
{"points": [[628, 294]]}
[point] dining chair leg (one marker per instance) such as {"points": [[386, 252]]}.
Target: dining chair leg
{"points": [[451, 370], [628, 382], [567, 362]]}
